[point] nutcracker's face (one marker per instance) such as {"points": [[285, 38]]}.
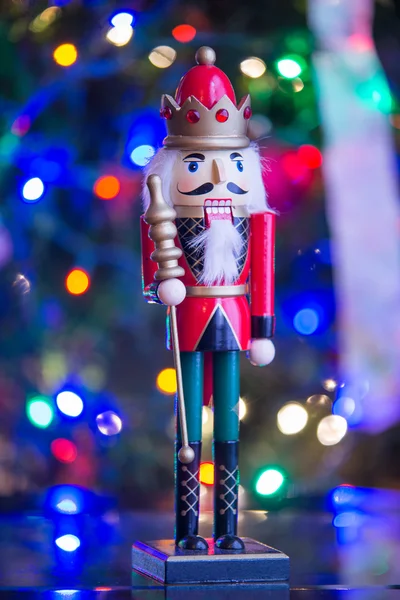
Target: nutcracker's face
{"points": [[211, 179]]}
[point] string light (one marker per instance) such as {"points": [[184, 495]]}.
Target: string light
{"points": [[109, 423], [40, 412], [64, 450], [122, 19], [269, 482], [69, 403], [162, 56], [142, 154], [253, 67], [65, 55], [331, 430], [120, 36], [289, 68], [306, 321], [77, 282], [32, 190], [166, 381], [206, 474], [292, 418], [68, 542], [184, 33], [107, 187]]}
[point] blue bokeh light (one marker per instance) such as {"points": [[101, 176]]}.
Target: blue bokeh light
{"points": [[306, 321], [122, 19], [67, 507], [142, 154], [68, 542], [69, 403], [32, 190], [67, 499]]}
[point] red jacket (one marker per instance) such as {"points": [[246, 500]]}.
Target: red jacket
{"points": [[221, 318]]}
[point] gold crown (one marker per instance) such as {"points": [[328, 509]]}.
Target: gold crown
{"points": [[192, 125]]}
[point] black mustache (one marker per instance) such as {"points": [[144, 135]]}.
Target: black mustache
{"points": [[203, 189], [208, 187], [235, 189]]}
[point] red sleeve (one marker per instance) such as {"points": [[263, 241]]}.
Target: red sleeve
{"points": [[262, 274], [149, 267]]}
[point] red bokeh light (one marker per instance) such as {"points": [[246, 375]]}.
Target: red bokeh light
{"points": [[310, 156], [64, 450], [184, 33], [294, 168], [21, 125], [107, 187]]}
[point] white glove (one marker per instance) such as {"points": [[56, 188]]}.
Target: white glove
{"points": [[171, 292], [262, 352]]}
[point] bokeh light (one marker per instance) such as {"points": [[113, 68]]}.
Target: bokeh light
{"points": [[208, 420], [206, 475], [109, 423], [292, 418], [32, 190], [142, 154], [310, 156], [69, 403], [319, 401], [107, 187], [242, 409], [344, 406], [306, 321], [289, 68], [331, 430], [162, 56], [298, 85], [166, 381], [66, 499], [269, 482], [65, 55], [44, 19], [68, 542], [120, 36], [329, 384], [77, 282], [64, 450], [122, 19], [40, 412], [67, 507], [184, 33], [253, 67], [21, 125]]}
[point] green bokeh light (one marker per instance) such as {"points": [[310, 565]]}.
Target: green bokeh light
{"points": [[269, 482], [289, 67], [40, 412]]}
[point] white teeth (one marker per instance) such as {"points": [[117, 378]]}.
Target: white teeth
{"points": [[229, 202], [215, 202], [208, 202], [208, 210], [215, 210], [227, 210], [221, 210], [222, 202]]}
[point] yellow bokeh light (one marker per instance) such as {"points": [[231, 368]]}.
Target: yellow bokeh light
{"points": [[206, 475], [162, 56], [329, 384], [242, 409], [331, 430], [77, 282], [65, 55], [253, 67], [120, 36], [166, 381], [292, 418]]}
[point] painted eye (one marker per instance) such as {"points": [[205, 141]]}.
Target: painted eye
{"points": [[192, 167], [239, 165]]}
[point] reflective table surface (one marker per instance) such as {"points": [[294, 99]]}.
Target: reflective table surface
{"points": [[351, 552]]}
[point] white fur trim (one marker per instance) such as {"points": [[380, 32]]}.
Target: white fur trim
{"points": [[171, 292], [262, 352], [161, 164]]}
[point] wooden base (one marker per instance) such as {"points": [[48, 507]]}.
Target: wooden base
{"points": [[166, 563]]}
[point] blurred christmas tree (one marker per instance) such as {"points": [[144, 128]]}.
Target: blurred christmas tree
{"points": [[81, 83]]}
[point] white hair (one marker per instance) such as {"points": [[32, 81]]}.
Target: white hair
{"points": [[163, 161]]}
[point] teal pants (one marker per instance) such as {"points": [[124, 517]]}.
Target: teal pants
{"points": [[225, 394]]}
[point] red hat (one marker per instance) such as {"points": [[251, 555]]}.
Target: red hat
{"points": [[204, 112]]}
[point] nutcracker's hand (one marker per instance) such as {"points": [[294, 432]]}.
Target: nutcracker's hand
{"points": [[171, 292], [262, 352]]}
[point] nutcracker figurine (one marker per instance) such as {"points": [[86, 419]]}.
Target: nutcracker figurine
{"points": [[204, 192]]}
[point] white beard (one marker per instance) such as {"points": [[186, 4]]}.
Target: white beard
{"points": [[220, 245]]}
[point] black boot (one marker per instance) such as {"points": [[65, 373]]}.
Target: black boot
{"points": [[187, 492], [226, 490]]}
